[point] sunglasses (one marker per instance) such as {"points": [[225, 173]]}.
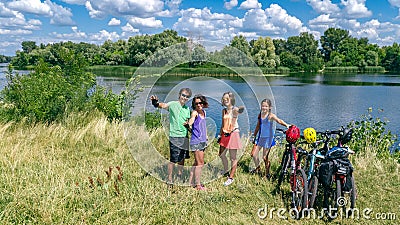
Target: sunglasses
{"points": [[185, 96], [199, 103]]}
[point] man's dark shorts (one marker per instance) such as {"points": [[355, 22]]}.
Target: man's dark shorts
{"points": [[178, 149]]}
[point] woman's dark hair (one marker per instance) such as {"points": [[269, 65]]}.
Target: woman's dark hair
{"points": [[202, 98], [268, 101], [231, 97]]}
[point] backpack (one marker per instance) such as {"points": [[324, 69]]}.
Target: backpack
{"points": [[335, 166], [325, 173], [343, 166]]}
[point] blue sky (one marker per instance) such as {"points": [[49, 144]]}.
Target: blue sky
{"points": [[95, 21]]}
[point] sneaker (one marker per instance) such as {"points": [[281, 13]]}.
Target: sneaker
{"points": [[228, 182]]}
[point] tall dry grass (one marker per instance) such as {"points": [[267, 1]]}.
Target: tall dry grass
{"points": [[81, 171]]}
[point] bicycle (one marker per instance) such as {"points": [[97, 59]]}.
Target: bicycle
{"points": [[313, 160], [336, 175], [297, 176]]}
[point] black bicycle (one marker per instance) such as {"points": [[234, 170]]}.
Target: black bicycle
{"points": [[336, 175], [290, 169]]}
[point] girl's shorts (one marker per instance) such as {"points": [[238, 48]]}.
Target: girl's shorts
{"points": [[264, 142], [198, 147], [232, 141]]}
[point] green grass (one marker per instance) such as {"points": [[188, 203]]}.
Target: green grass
{"points": [[45, 172], [128, 71]]}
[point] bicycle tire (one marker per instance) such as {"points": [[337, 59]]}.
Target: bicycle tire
{"points": [[353, 193], [336, 196], [312, 191], [352, 197], [300, 199], [284, 165]]}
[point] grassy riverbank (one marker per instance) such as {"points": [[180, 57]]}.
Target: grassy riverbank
{"points": [[46, 173], [127, 71]]}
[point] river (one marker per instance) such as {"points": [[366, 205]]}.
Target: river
{"points": [[321, 101]]}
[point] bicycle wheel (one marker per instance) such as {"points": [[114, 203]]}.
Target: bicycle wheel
{"points": [[331, 195], [284, 166], [353, 193], [348, 208], [300, 193], [312, 191]]}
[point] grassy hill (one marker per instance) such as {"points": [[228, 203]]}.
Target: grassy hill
{"points": [[53, 174]]}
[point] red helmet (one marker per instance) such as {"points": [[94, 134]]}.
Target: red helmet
{"points": [[292, 134]]}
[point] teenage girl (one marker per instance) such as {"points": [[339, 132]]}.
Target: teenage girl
{"points": [[264, 135], [198, 140], [229, 133]]}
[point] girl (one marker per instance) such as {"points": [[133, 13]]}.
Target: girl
{"points": [[198, 141], [264, 135], [229, 133]]}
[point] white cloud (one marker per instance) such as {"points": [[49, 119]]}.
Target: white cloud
{"points": [[6, 12], [104, 35], [250, 4], [323, 6], [93, 13], [280, 17], [76, 2], [114, 22], [76, 35], [230, 4], [150, 22], [129, 29], [173, 5], [322, 23], [249, 35], [30, 6], [15, 32], [355, 9], [58, 14], [395, 3], [206, 25], [18, 21], [273, 21], [143, 8]]}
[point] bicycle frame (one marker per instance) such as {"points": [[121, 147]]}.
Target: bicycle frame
{"points": [[298, 179]]}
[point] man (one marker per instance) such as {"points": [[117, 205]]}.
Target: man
{"points": [[179, 113]]}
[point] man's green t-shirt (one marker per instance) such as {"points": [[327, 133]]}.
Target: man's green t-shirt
{"points": [[177, 117]]}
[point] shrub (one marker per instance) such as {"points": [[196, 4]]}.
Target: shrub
{"points": [[370, 134], [52, 92], [43, 95]]}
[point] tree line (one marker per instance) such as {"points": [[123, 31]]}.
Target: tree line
{"points": [[336, 48], [5, 59]]}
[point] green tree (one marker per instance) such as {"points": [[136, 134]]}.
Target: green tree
{"points": [[28, 46], [293, 62], [331, 40], [263, 52], [306, 48], [21, 60], [391, 60], [241, 43], [371, 58]]}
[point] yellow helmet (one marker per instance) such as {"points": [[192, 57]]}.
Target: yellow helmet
{"points": [[310, 135]]}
